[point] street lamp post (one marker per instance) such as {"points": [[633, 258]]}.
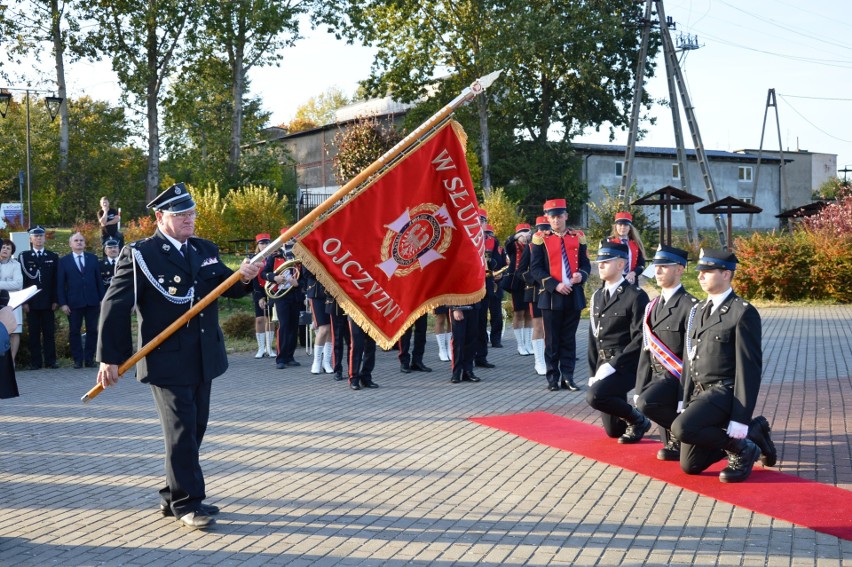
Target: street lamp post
{"points": [[53, 103]]}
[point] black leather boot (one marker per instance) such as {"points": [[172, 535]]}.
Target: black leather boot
{"points": [[637, 426], [742, 454], [758, 432], [671, 452]]}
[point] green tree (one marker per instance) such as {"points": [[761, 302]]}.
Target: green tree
{"points": [[832, 188], [360, 144], [145, 42], [251, 33], [318, 110], [417, 38]]}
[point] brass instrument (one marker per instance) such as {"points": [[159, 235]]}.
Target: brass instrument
{"points": [[497, 273], [291, 269]]}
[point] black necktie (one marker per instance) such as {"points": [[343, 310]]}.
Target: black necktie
{"points": [[80, 263], [606, 296], [707, 309]]}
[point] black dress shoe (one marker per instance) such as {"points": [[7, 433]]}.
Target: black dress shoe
{"points": [[484, 364], [208, 509], [78, 364], [471, 377], [338, 376], [497, 345], [197, 520], [280, 365], [354, 385], [369, 384], [455, 380], [420, 367], [293, 363], [553, 388], [570, 386], [405, 369]]}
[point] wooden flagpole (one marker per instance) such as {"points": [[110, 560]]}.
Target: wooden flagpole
{"points": [[406, 145]]}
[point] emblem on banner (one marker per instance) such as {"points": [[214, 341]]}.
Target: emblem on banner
{"points": [[418, 237]]}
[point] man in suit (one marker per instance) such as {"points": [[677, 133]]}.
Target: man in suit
{"points": [[558, 261], [615, 342], [494, 260], [80, 290], [164, 275], [721, 377], [39, 267], [107, 265], [658, 387]]}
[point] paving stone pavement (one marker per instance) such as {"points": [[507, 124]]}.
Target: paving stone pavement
{"points": [[308, 472]]}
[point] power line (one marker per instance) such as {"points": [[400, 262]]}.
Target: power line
{"points": [[803, 117], [817, 97]]}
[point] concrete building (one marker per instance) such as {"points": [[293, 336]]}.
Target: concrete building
{"points": [[805, 171], [733, 175]]}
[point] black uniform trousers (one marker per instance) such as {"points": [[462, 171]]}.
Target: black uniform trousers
{"points": [[184, 411], [418, 329], [658, 402], [609, 396], [90, 315], [495, 312], [465, 335], [362, 355], [481, 337], [288, 327], [701, 428], [340, 336], [42, 323], [560, 340]]}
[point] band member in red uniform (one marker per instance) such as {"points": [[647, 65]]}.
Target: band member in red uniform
{"points": [[560, 264], [262, 323], [288, 306], [531, 291], [494, 261], [623, 231], [513, 282]]}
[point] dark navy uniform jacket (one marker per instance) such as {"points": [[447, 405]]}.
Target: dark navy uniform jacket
{"points": [[670, 327], [196, 351], [40, 272], [619, 328], [727, 348]]}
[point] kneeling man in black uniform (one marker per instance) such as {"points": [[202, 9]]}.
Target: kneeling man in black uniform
{"points": [[721, 378]]}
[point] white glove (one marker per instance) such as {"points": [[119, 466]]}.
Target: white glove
{"points": [[680, 407], [592, 380], [635, 398], [605, 370], [737, 430]]}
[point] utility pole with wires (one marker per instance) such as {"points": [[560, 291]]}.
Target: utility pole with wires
{"points": [[771, 102], [676, 82]]}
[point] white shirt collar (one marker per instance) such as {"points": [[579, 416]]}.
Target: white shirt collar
{"points": [[668, 293], [719, 298], [174, 241], [611, 288]]}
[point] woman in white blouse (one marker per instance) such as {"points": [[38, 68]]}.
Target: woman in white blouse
{"points": [[11, 279]]}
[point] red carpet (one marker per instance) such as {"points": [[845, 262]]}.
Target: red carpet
{"points": [[816, 506]]}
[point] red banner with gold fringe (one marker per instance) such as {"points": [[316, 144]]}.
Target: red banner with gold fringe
{"points": [[408, 242]]}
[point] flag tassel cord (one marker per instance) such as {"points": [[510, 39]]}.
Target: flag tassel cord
{"points": [[407, 144]]}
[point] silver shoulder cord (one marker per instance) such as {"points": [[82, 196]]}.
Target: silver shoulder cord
{"points": [[137, 256], [596, 329], [690, 349]]}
